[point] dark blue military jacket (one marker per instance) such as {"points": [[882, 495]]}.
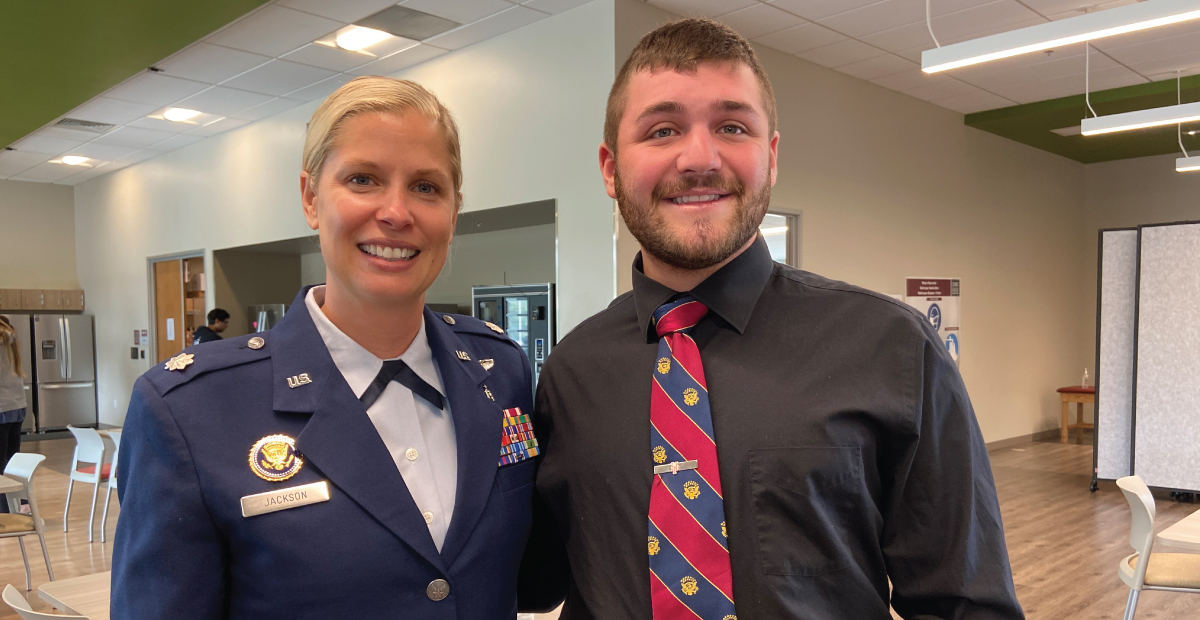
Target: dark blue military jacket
{"points": [[184, 550]]}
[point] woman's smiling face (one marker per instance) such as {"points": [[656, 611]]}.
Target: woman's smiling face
{"points": [[385, 205]]}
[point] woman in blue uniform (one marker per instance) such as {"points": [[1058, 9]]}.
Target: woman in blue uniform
{"points": [[366, 458]]}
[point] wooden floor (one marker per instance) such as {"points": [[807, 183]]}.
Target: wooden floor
{"points": [[1064, 541]]}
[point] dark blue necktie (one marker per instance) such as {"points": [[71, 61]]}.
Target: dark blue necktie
{"points": [[397, 370]]}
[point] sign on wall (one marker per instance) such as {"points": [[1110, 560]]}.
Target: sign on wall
{"points": [[938, 299]]}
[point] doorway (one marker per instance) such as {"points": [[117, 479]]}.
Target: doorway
{"points": [[178, 286]]}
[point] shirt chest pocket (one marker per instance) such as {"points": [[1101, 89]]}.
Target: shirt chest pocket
{"points": [[807, 504]]}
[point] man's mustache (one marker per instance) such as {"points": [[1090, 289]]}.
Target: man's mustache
{"points": [[715, 181]]}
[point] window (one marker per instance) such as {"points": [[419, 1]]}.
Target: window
{"points": [[780, 230]]}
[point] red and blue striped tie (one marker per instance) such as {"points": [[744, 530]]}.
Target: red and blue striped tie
{"points": [[690, 576]]}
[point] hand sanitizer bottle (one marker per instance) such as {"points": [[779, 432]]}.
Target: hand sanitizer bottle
{"points": [[1085, 378]]}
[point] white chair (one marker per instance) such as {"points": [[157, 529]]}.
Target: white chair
{"points": [[21, 468], [1174, 572], [89, 448], [21, 606], [112, 481]]}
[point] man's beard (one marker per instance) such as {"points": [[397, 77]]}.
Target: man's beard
{"points": [[715, 244]]}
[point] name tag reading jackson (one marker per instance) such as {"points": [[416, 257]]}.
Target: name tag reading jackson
{"points": [[271, 501]]}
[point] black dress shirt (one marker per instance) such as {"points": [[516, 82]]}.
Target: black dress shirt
{"points": [[849, 454]]}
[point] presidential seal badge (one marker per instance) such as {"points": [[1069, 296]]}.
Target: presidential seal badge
{"points": [[179, 362], [274, 459]]}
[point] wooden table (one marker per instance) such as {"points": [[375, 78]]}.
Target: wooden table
{"points": [[1184, 534], [1081, 396], [86, 596], [8, 485]]}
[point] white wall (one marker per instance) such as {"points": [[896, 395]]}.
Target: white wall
{"points": [[37, 236], [890, 186], [530, 105]]}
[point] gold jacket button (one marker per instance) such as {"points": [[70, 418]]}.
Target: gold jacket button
{"points": [[437, 590]]}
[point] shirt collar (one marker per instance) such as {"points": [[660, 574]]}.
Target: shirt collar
{"points": [[731, 293], [358, 365]]}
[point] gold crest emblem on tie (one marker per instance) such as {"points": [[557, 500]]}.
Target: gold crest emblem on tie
{"points": [[723, 532], [660, 454], [653, 544], [730, 617], [691, 489], [494, 327], [299, 380], [179, 362], [274, 459], [664, 365], [691, 396], [689, 585], [463, 355], [487, 364]]}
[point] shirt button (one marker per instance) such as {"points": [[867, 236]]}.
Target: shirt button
{"points": [[437, 590], [411, 454], [428, 520]]}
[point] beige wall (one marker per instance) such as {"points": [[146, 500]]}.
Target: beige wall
{"points": [[37, 236], [890, 186], [242, 279]]}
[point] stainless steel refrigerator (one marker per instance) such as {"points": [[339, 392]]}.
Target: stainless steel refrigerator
{"points": [[23, 324], [65, 357]]}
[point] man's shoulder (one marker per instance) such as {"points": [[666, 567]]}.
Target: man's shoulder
{"points": [[619, 313], [846, 302]]}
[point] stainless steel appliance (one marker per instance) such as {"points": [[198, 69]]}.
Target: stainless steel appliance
{"points": [[265, 316], [23, 324], [525, 312], [65, 362]]}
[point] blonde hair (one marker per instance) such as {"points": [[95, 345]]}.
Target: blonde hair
{"points": [[373, 93], [8, 340]]}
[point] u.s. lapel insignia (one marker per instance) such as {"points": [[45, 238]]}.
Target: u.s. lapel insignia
{"points": [[274, 459], [179, 362], [494, 327], [463, 355], [299, 380], [487, 364]]}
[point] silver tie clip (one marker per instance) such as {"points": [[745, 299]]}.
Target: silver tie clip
{"points": [[674, 468]]}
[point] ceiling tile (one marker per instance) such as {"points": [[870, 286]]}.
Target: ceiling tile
{"points": [[66, 133], [162, 125], [760, 19], [14, 162], [461, 11], [1040, 90], [177, 142], [499, 23], [325, 57], [400, 60], [279, 77], [87, 174], [133, 136], [155, 89], [942, 90], [908, 80], [1148, 51], [223, 101], [1062, 9], [709, 8], [317, 91], [977, 101], [842, 53], [115, 111], [220, 126], [800, 38], [45, 145], [274, 31], [212, 64], [818, 9], [914, 53], [890, 14], [104, 152], [1165, 68], [878, 67], [268, 109], [47, 173], [553, 6], [347, 11]]}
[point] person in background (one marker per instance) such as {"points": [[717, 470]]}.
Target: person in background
{"points": [[218, 321], [12, 396], [736, 438]]}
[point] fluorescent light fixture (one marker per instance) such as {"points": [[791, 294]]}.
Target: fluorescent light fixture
{"points": [[1141, 119], [1187, 164], [775, 230], [74, 160], [1087, 27], [358, 38], [180, 115]]}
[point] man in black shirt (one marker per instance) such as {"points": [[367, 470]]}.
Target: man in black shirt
{"points": [[218, 320], [783, 450]]}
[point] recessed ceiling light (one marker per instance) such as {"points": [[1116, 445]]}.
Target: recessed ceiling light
{"points": [[359, 38], [180, 115], [74, 160]]}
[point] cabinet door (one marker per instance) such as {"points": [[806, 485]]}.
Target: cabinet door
{"points": [[72, 300], [32, 300], [10, 299], [52, 300]]}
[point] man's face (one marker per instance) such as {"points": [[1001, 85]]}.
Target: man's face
{"points": [[219, 326], [696, 163]]}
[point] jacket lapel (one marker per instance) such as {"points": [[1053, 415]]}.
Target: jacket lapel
{"points": [[340, 439], [477, 428]]}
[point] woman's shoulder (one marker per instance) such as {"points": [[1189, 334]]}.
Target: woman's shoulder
{"points": [[206, 359]]}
